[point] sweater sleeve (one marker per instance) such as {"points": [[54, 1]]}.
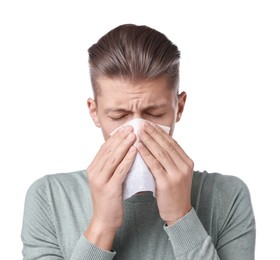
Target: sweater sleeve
{"points": [[85, 250], [237, 229], [39, 234], [236, 234], [190, 240]]}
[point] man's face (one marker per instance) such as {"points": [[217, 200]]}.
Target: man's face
{"points": [[120, 101]]}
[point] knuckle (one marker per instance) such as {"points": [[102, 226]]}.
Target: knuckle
{"points": [[148, 138], [94, 180], [156, 165], [105, 148], [162, 154], [112, 160], [165, 185], [169, 146], [191, 164], [152, 130], [188, 166], [120, 171], [186, 169]]}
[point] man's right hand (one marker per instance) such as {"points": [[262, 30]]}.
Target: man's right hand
{"points": [[106, 175]]}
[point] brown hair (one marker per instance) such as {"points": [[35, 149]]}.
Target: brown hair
{"points": [[134, 53]]}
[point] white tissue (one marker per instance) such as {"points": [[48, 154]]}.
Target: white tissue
{"points": [[139, 177]]}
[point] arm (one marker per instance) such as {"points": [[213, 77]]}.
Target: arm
{"points": [[236, 224], [105, 179], [106, 175], [173, 170], [39, 234], [236, 220], [38, 231], [190, 240]]}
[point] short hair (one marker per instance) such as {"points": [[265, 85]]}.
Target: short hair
{"points": [[134, 53]]}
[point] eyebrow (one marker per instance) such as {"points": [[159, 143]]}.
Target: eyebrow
{"points": [[109, 110], [149, 108]]}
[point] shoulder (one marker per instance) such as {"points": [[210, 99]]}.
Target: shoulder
{"points": [[59, 181], [231, 190], [217, 183], [222, 194], [222, 202]]}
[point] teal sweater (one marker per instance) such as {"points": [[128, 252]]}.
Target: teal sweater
{"points": [[221, 224]]}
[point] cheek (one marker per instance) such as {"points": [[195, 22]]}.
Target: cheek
{"points": [[108, 126], [172, 124], [105, 134], [170, 120]]}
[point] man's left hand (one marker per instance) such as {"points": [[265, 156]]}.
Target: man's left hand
{"points": [[172, 170]]}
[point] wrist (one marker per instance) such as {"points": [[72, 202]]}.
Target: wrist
{"points": [[100, 234], [179, 216]]}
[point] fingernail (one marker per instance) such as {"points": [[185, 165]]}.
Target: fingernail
{"points": [[140, 132], [148, 125], [132, 149], [127, 128], [130, 136], [121, 129]]}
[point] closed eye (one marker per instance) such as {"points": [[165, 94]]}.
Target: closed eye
{"points": [[115, 118], [154, 115]]}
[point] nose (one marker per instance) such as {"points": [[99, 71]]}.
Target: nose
{"points": [[136, 116]]}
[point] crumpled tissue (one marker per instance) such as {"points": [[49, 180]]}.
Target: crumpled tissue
{"points": [[139, 177]]}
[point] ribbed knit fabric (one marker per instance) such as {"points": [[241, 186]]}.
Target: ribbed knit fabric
{"points": [[189, 227], [87, 250], [221, 225]]}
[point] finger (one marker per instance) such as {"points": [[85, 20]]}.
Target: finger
{"points": [[114, 141], [178, 148], [116, 157], [168, 158], [155, 167], [107, 149], [124, 167], [167, 143]]}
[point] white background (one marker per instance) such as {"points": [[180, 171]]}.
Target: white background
{"points": [[230, 69]]}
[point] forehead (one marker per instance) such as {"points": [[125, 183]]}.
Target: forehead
{"points": [[121, 90]]}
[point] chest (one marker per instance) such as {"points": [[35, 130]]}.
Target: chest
{"points": [[142, 235]]}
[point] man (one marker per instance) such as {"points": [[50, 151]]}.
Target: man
{"points": [[82, 215]]}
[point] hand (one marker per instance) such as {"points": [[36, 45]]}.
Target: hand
{"points": [[172, 170], [105, 175]]}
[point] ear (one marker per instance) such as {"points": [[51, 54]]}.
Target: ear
{"points": [[181, 104], [92, 107]]}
